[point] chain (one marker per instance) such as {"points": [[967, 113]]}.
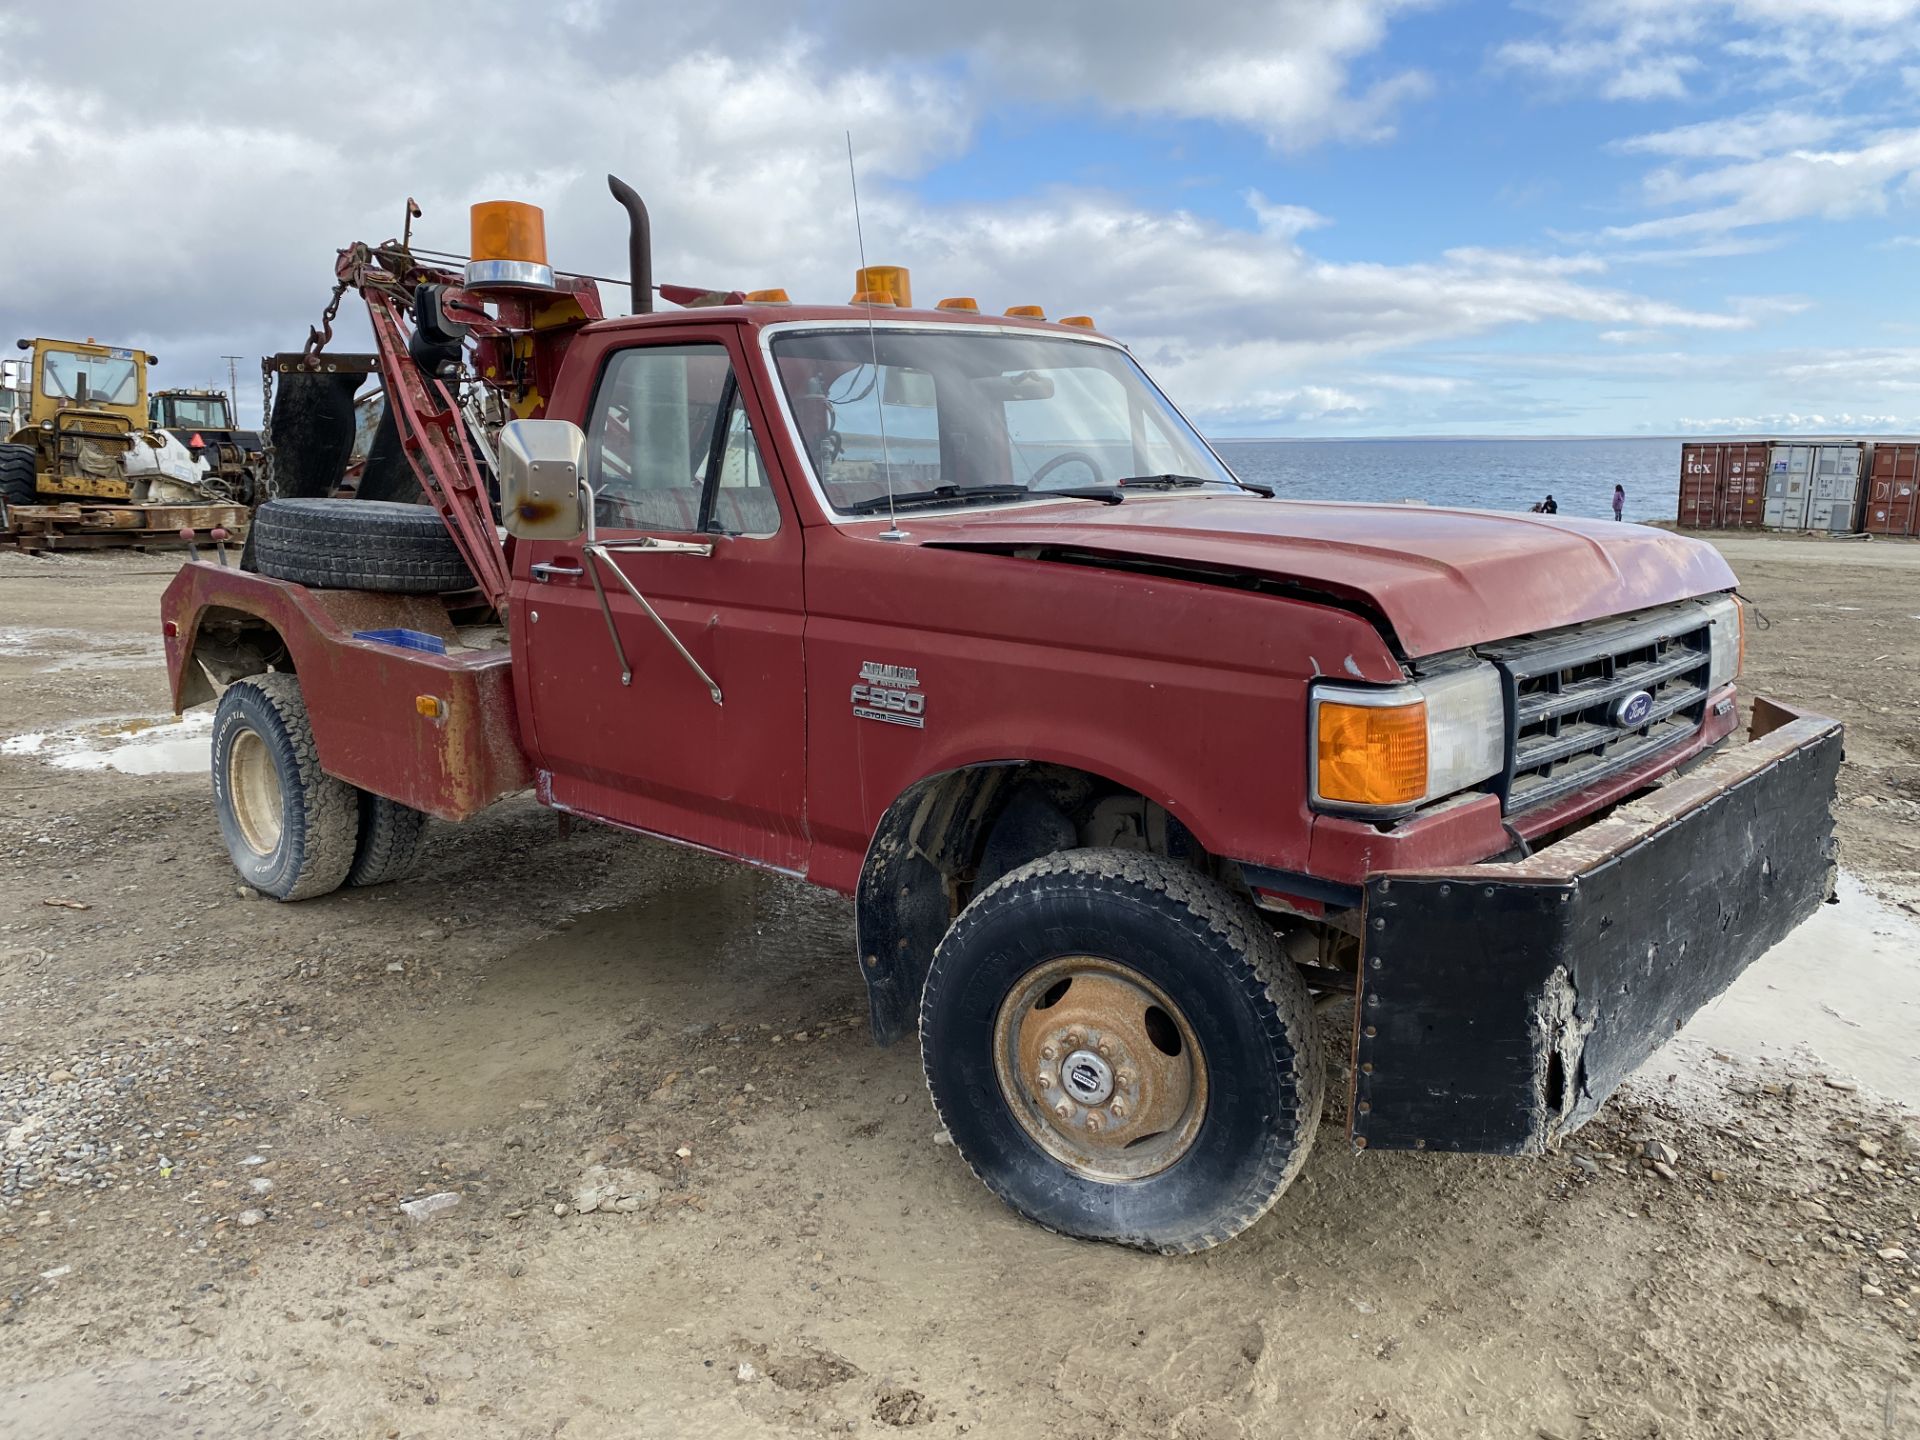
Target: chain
{"points": [[270, 476], [317, 338]]}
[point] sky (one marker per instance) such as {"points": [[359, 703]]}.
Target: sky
{"points": [[1306, 217]]}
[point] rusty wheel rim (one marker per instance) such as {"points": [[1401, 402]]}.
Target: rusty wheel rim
{"points": [[1100, 1068], [254, 785]]}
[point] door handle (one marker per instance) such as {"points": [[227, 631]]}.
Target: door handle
{"points": [[545, 570]]}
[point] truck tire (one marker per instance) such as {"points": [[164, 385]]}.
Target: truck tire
{"points": [[290, 827], [1123, 988], [19, 481], [358, 545], [389, 845]]}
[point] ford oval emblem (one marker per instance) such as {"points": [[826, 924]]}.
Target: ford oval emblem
{"points": [[1630, 711]]}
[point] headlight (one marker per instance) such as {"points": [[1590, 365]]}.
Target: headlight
{"points": [[1726, 641], [1401, 746]]}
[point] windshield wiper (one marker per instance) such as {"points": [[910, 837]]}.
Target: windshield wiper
{"points": [[939, 495], [1184, 482]]}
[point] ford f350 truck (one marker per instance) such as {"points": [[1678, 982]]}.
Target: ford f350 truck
{"points": [[1142, 780]]}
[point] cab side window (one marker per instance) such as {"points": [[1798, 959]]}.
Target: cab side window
{"points": [[669, 446]]}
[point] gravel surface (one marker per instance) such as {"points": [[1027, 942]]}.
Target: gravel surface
{"points": [[584, 1137]]}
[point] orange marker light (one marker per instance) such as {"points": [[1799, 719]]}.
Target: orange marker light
{"points": [[509, 246], [429, 706], [767, 297], [871, 297], [960, 302], [1372, 754], [1085, 322], [1028, 312]]}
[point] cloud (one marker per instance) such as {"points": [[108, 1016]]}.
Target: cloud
{"points": [[1792, 422], [1641, 50], [1832, 184], [1281, 68], [1739, 137], [201, 220]]}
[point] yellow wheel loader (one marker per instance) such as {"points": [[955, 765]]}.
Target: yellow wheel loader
{"points": [[76, 412]]}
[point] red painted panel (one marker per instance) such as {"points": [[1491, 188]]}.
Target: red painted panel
{"points": [[360, 694], [1893, 490]]}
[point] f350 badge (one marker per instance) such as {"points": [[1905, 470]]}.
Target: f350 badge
{"points": [[890, 694]]}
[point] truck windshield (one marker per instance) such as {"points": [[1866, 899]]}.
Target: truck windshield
{"points": [[88, 379], [207, 412], [970, 415]]}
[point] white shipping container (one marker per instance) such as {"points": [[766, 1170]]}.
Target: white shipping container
{"points": [[1834, 515], [1785, 512]]}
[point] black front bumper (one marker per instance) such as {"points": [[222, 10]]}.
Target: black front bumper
{"points": [[1501, 1004]]}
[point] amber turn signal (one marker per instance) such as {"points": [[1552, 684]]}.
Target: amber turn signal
{"points": [[1372, 754]]}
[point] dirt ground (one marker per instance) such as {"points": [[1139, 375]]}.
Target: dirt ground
{"points": [[212, 1108]]}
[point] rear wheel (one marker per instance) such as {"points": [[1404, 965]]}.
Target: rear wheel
{"points": [[19, 482], [289, 827], [1120, 1050], [389, 846]]}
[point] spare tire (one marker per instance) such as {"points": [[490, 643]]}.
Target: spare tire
{"points": [[358, 545]]}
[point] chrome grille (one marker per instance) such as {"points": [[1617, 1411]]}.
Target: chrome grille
{"points": [[1564, 686]]}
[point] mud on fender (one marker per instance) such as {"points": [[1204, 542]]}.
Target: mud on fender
{"points": [[1501, 1004]]}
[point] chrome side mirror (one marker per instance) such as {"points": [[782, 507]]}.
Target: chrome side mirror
{"points": [[543, 485]]}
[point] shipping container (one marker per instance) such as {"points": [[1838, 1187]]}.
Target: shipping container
{"points": [[1722, 484], [1893, 506], [1746, 486], [1801, 476]]}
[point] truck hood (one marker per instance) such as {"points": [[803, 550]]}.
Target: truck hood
{"points": [[1439, 579]]}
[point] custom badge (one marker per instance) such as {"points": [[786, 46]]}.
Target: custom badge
{"points": [[890, 694]]}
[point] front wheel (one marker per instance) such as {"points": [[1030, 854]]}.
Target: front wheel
{"points": [[290, 827], [1121, 1052]]}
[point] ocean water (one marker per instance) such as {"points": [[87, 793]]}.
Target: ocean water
{"points": [[1482, 474]]}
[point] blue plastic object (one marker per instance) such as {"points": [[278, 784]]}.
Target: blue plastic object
{"points": [[405, 639]]}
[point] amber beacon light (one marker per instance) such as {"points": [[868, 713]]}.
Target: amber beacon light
{"points": [[509, 247]]}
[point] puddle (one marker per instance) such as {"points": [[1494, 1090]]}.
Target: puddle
{"points": [[133, 747], [1843, 989], [575, 1008], [57, 650]]}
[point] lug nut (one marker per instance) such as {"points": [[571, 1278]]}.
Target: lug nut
{"points": [[1119, 1109], [1044, 1080], [1072, 1037], [1105, 1049], [1093, 1120], [1123, 1078], [1064, 1109], [1047, 1052]]}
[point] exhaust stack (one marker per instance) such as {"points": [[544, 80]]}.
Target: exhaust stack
{"points": [[639, 243]]}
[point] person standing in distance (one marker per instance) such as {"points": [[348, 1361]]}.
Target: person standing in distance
{"points": [[1619, 501]]}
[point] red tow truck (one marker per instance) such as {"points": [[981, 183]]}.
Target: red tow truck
{"points": [[1142, 779]]}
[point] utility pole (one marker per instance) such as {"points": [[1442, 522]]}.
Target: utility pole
{"points": [[233, 386]]}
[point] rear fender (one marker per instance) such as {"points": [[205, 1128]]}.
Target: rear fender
{"points": [[368, 701]]}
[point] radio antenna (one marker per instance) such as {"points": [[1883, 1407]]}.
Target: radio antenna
{"points": [[893, 530]]}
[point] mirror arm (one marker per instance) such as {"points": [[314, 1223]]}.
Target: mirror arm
{"points": [[597, 555]]}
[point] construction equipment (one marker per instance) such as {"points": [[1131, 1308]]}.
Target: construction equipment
{"points": [[203, 421], [80, 467], [81, 405]]}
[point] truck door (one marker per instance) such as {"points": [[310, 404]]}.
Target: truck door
{"points": [[673, 456]]}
